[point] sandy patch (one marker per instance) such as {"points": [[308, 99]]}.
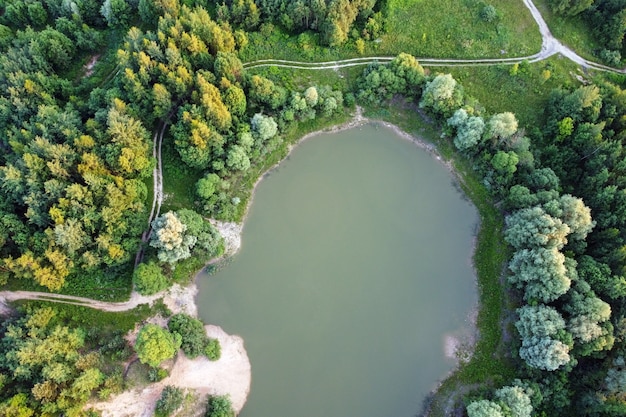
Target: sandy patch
{"points": [[230, 375], [88, 67], [231, 233], [182, 299]]}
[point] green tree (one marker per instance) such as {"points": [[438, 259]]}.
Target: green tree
{"points": [[207, 238], [541, 273], [228, 65], [235, 100], [544, 353], [505, 163], [264, 126], [148, 278], [516, 400], [191, 332], [501, 126], [539, 320], [155, 344], [71, 236], [151, 10], [169, 237], [533, 227], [237, 158], [442, 95], [469, 129], [577, 216], [117, 13], [17, 406], [409, 69], [484, 408], [56, 48]]}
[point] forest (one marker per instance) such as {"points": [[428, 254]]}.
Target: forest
{"points": [[76, 178], [605, 19]]}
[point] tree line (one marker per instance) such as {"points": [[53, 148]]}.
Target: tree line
{"points": [[561, 189], [606, 19]]}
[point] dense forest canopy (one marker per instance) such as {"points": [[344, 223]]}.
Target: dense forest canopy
{"points": [[77, 155]]}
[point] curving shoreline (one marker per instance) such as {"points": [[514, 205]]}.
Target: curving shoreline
{"points": [[458, 347], [232, 373]]}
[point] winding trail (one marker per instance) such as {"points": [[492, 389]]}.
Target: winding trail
{"points": [[135, 300], [550, 46]]}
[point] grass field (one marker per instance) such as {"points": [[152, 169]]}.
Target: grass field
{"points": [[179, 180], [523, 93], [453, 29]]}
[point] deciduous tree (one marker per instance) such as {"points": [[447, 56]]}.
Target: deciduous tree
{"points": [[155, 344]]}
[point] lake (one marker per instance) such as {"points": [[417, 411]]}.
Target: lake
{"points": [[354, 275]]}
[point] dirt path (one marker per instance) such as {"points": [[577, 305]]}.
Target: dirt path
{"points": [[135, 300]]}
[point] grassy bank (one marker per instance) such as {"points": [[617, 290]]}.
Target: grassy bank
{"points": [[489, 364]]}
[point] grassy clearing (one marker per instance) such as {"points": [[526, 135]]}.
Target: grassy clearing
{"points": [[524, 93], [85, 317], [300, 79], [571, 31], [279, 45], [179, 180], [488, 365], [98, 285], [454, 28]]}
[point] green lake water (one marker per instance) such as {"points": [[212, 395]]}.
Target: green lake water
{"points": [[354, 273]]}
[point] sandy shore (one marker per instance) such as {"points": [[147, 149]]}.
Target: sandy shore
{"points": [[230, 375]]}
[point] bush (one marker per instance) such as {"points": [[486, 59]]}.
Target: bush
{"points": [[213, 350], [220, 406], [157, 374], [171, 399], [191, 331], [488, 13]]}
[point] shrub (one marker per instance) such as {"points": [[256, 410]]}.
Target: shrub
{"points": [[488, 13], [171, 399], [157, 374], [213, 350], [155, 344], [220, 406]]}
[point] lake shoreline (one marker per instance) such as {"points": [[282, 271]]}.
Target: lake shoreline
{"points": [[459, 349]]}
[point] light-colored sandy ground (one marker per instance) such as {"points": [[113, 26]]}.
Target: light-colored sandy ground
{"points": [[230, 375]]}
